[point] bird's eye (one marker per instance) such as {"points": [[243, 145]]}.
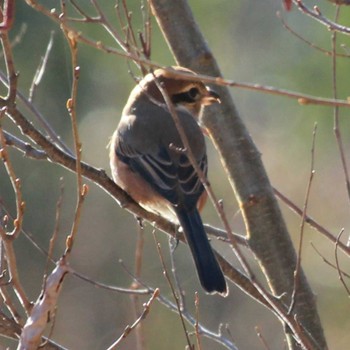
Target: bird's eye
{"points": [[190, 96], [193, 93]]}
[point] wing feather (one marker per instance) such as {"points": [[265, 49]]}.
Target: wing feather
{"points": [[174, 178]]}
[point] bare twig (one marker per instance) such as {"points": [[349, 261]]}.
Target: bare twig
{"points": [[176, 298], [201, 329], [9, 303], [314, 224], [8, 327], [302, 225], [128, 329], [196, 325], [39, 73], [146, 35], [7, 15], [261, 338], [55, 233], [336, 127], [9, 237], [173, 242], [13, 271], [71, 106], [316, 14], [12, 75], [135, 300], [16, 184], [18, 38], [39, 117], [328, 262], [307, 42], [218, 337], [340, 273], [27, 149]]}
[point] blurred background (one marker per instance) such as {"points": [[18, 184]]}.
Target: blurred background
{"points": [[251, 45]]}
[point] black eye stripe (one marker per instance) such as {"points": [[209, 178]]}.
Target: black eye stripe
{"points": [[189, 96]]}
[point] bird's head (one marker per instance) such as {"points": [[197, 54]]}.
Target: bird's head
{"points": [[182, 90]]}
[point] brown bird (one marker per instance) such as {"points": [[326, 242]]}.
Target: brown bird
{"points": [[146, 161]]}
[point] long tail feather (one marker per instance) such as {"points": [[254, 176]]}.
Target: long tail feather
{"points": [[209, 272]]}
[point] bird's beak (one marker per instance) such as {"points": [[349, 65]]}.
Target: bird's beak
{"points": [[210, 98]]}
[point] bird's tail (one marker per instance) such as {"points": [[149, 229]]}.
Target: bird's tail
{"points": [[209, 272]]}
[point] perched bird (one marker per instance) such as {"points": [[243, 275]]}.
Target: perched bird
{"points": [[149, 162]]}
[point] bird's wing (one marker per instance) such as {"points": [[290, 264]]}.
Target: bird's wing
{"points": [[172, 177], [157, 169], [190, 184]]}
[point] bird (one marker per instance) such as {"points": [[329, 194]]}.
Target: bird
{"points": [[148, 159]]}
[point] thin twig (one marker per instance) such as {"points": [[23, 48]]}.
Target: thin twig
{"points": [[316, 14], [39, 73], [71, 106], [202, 330], [39, 117], [314, 224], [55, 233], [173, 242], [128, 329], [107, 286], [336, 127], [176, 298], [9, 237], [215, 336], [297, 270], [18, 38], [328, 262], [146, 36], [7, 299], [12, 75], [135, 300], [16, 184], [307, 42], [7, 14], [10, 305], [261, 338], [196, 325], [340, 274], [26, 148], [13, 272]]}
